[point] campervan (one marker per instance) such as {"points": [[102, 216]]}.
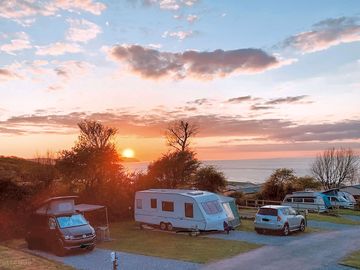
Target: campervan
{"points": [[307, 200], [340, 199], [56, 225], [176, 208]]}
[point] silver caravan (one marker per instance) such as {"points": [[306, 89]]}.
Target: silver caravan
{"points": [[307, 200], [176, 208]]}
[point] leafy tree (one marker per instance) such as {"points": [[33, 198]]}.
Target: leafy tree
{"points": [[208, 178], [306, 182], [173, 170], [179, 133], [335, 167], [278, 184], [93, 160]]}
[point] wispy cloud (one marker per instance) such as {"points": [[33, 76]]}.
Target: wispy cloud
{"points": [[7, 74], [24, 11], [191, 18], [180, 35], [151, 124], [325, 34], [21, 41], [239, 99], [82, 30], [288, 100], [58, 48], [168, 4], [154, 64]]}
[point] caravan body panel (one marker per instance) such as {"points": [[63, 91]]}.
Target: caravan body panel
{"points": [[187, 209]]}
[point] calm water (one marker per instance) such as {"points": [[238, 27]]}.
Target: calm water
{"points": [[255, 170]]}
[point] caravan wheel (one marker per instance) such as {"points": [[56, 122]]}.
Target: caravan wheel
{"points": [[169, 227], [162, 226]]}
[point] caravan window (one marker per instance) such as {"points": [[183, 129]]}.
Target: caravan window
{"points": [[153, 203], [299, 200], [168, 206], [288, 199], [212, 207], [189, 210], [138, 203], [309, 200]]}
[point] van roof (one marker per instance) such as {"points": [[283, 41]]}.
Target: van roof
{"points": [[275, 206], [185, 192]]}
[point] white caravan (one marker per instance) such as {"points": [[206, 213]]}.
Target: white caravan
{"points": [[307, 200], [177, 208]]}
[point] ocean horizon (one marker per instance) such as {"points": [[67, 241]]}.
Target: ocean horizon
{"points": [[245, 170]]}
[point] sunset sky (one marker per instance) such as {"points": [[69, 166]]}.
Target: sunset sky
{"points": [[261, 79]]}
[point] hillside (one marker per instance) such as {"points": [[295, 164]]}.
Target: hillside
{"points": [[24, 172]]}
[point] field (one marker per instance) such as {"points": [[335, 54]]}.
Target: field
{"points": [[129, 238], [353, 260], [12, 259], [333, 219]]}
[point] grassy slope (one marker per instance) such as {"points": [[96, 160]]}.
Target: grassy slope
{"points": [[12, 259], [333, 219], [353, 260], [129, 238], [348, 212]]}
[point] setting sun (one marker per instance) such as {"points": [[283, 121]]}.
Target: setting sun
{"points": [[128, 153]]}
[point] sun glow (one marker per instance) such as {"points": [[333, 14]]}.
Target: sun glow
{"points": [[128, 153]]}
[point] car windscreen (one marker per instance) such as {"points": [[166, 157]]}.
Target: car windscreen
{"points": [[268, 212], [71, 221], [211, 207]]}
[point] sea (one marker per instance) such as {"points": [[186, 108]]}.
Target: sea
{"points": [[246, 170]]}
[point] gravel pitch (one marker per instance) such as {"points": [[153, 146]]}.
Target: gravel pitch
{"points": [[99, 259]]}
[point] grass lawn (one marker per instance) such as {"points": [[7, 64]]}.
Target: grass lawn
{"points": [[333, 219], [129, 238], [348, 212], [12, 259], [353, 260]]}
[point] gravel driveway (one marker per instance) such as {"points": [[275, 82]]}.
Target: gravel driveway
{"points": [[99, 259], [320, 251]]}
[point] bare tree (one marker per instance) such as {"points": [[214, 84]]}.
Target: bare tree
{"points": [[179, 133], [94, 134], [335, 167]]}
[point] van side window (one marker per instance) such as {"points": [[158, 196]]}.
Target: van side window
{"points": [[309, 200], [189, 210], [153, 203], [138, 203], [167, 206]]}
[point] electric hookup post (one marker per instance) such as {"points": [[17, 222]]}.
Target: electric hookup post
{"points": [[114, 259]]}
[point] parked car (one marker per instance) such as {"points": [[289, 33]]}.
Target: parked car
{"points": [[58, 227], [341, 202], [307, 200], [278, 218], [177, 208]]}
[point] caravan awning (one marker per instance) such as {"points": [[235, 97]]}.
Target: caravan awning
{"points": [[88, 207]]}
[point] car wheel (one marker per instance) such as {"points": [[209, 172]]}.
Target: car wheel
{"points": [[286, 230], [58, 248], [169, 227], [162, 226], [302, 226]]}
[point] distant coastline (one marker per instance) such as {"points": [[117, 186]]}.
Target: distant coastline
{"points": [[254, 171]]}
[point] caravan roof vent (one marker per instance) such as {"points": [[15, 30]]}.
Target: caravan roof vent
{"points": [[195, 193]]}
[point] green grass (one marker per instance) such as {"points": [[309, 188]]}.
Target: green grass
{"points": [[129, 238], [353, 260], [332, 219], [348, 212], [246, 225], [11, 259]]}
